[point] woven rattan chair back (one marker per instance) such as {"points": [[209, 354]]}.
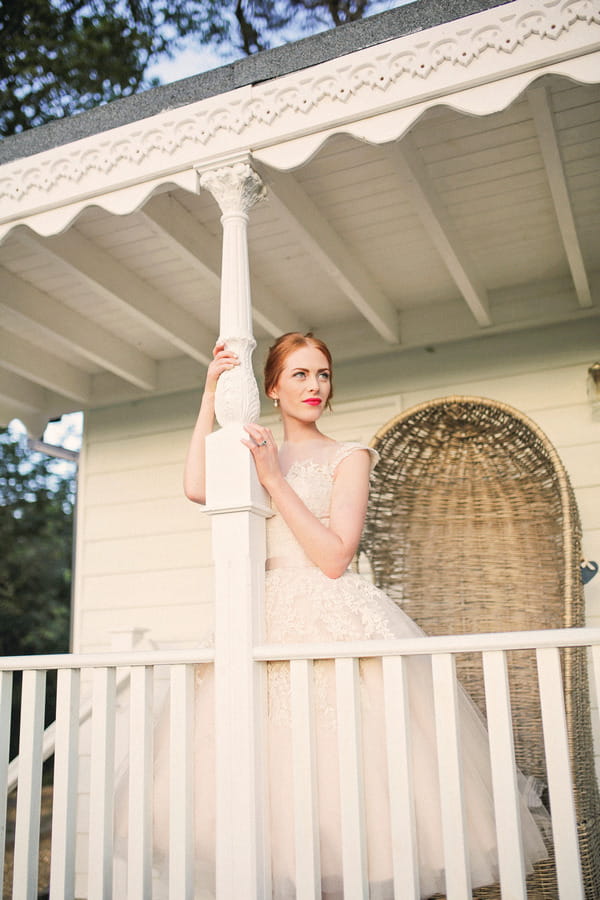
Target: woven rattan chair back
{"points": [[473, 527]]}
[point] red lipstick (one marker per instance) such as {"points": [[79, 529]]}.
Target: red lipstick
{"points": [[312, 401]]}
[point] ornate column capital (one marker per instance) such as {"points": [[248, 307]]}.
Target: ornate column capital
{"points": [[236, 187]]}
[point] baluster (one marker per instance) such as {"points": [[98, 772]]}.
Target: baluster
{"points": [[102, 765], [558, 765], [27, 831], [456, 857], [504, 776], [6, 679], [181, 783], [402, 801], [64, 798], [139, 846], [306, 810], [354, 845]]}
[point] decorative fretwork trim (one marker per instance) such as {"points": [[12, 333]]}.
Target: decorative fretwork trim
{"points": [[367, 82]]}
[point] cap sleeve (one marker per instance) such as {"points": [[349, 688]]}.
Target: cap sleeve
{"points": [[344, 450]]}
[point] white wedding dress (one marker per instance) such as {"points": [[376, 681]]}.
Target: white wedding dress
{"points": [[304, 605]]}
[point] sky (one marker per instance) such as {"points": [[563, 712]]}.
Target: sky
{"points": [[192, 59]]}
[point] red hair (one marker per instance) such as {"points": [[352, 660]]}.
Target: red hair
{"points": [[281, 349]]}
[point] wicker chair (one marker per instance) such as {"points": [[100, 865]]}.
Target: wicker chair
{"points": [[473, 527]]}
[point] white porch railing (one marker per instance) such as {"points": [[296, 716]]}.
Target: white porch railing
{"points": [[99, 672]]}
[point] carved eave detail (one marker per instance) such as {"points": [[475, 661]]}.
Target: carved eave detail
{"points": [[285, 120]]}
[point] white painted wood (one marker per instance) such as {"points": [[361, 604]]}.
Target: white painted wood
{"points": [[111, 279], [354, 838], [504, 776], [181, 793], [564, 821], [436, 221], [129, 451], [102, 785], [64, 795], [399, 761], [325, 246], [425, 646], [242, 856], [236, 188], [238, 505], [166, 551], [539, 101], [197, 246], [77, 332], [169, 516], [305, 808], [192, 242], [141, 779], [421, 646], [6, 679], [21, 394], [42, 368], [136, 485], [456, 853], [27, 828]]}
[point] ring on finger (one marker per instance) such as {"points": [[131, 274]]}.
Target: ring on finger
{"points": [[263, 443]]}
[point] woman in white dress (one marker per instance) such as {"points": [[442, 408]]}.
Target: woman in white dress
{"points": [[319, 492]]}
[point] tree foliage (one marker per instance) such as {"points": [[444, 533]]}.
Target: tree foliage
{"points": [[36, 536], [60, 57]]}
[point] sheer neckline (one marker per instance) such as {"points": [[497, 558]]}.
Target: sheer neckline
{"points": [[320, 457], [309, 462], [326, 461]]}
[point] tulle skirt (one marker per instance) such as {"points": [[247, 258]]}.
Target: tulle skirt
{"points": [[304, 605]]}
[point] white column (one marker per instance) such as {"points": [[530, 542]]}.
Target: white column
{"points": [[238, 505]]}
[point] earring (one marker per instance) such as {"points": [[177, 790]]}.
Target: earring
{"points": [[275, 402]]}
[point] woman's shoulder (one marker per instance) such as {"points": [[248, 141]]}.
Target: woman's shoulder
{"points": [[341, 450]]}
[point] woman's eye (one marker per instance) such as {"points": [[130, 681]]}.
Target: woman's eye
{"points": [[324, 376], [298, 374]]}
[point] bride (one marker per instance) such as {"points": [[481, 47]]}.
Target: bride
{"points": [[319, 493]]}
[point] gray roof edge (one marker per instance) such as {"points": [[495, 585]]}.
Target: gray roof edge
{"points": [[263, 66]]}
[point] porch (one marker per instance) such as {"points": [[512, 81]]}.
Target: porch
{"points": [[93, 686]]}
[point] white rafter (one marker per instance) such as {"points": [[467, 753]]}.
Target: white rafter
{"points": [[40, 367], [539, 103], [432, 212], [324, 245], [192, 242], [107, 276], [18, 392], [77, 332]]}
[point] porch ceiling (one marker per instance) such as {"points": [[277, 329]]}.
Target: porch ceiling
{"points": [[466, 226]]}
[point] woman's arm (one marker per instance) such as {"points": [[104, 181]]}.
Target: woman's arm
{"points": [[194, 477], [331, 547]]}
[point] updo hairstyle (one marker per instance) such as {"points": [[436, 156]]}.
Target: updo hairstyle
{"points": [[281, 349]]}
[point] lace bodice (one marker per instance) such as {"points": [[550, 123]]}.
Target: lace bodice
{"points": [[312, 479]]}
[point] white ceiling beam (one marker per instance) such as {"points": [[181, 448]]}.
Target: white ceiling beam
{"points": [[16, 391], [323, 243], [40, 367], [77, 332], [539, 103], [202, 251], [192, 243], [107, 276], [433, 214]]}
